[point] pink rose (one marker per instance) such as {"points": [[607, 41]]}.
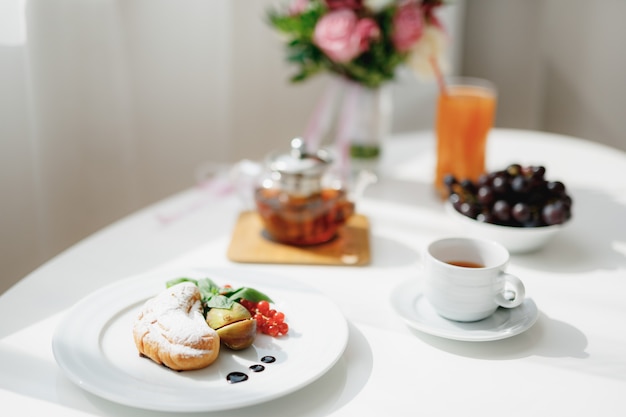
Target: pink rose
{"points": [[344, 4], [366, 29], [297, 7], [342, 36], [408, 26]]}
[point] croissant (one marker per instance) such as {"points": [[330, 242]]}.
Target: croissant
{"points": [[171, 330]]}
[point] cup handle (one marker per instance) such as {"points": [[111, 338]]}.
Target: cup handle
{"points": [[513, 286]]}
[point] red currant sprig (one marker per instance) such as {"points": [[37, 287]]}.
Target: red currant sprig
{"points": [[268, 320]]}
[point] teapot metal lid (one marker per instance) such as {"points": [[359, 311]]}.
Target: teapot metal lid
{"points": [[300, 162], [300, 171]]}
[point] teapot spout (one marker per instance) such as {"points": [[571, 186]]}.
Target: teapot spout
{"points": [[363, 179]]}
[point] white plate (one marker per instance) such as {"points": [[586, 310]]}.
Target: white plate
{"points": [[410, 303], [94, 346]]}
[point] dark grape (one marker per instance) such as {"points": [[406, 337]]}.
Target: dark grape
{"points": [[517, 196], [468, 186], [534, 220], [535, 185], [553, 213], [567, 214], [502, 210], [449, 181], [520, 184], [567, 201], [514, 169], [521, 212], [486, 217], [537, 195], [556, 187], [500, 183], [455, 199], [537, 172], [485, 195], [470, 210], [484, 179]]}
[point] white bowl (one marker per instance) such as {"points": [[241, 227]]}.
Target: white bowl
{"points": [[515, 239]]}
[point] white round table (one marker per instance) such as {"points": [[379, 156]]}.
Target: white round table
{"points": [[571, 362]]}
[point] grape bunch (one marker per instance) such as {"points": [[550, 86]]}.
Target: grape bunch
{"points": [[517, 196]]}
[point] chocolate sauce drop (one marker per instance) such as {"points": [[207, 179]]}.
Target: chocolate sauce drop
{"points": [[268, 359], [257, 368], [235, 377]]}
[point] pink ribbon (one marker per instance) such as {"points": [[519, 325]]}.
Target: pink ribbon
{"points": [[320, 120], [346, 122]]}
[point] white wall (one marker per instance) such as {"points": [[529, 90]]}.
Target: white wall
{"points": [[560, 65], [109, 105]]}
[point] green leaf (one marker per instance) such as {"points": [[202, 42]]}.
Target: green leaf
{"points": [[298, 77], [207, 288], [219, 301], [175, 281], [214, 296], [364, 151], [249, 294]]}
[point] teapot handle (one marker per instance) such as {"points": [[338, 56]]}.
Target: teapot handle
{"points": [[244, 176]]}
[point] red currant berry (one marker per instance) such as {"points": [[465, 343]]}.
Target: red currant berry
{"points": [[251, 306], [273, 331], [279, 317], [263, 306]]}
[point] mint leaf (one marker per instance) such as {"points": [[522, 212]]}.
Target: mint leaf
{"points": [[219, 301], [249, 294], [207, 287], [214, 296], [175, 281]]}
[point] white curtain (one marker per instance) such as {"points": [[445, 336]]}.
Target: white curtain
{"points": [[109, 105]]}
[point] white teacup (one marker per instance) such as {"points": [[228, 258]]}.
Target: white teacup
{"points": [[465, 279]]}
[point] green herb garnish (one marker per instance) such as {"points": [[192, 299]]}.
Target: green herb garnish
{"points": [[214, 296]]}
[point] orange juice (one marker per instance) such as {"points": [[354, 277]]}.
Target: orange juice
{"points": [[465, 115]]}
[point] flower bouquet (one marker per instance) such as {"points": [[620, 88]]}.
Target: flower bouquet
{"points": [[363, 42]]}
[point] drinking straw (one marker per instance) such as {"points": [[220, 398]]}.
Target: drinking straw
{"points": [[439, 75]]}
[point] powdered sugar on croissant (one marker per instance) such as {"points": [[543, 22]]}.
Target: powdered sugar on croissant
{"points": [[171, 330]]}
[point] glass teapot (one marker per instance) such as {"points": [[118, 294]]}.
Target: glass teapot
{"points": [[300, 199]]}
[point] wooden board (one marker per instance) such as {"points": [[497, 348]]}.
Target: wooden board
{"points": [[250, 245]]}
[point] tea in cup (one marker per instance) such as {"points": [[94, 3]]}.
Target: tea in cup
{"points": [[465, 279]]}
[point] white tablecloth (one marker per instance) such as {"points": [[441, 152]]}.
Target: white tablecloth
{"points": [[572, 362]]}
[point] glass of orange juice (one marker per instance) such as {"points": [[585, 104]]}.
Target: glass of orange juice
{"points": [[465, 114]]}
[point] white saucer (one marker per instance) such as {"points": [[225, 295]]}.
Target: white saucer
{"points": [[410, 303]]}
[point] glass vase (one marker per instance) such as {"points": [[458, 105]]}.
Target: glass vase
{"points": [[367, 114]]}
